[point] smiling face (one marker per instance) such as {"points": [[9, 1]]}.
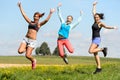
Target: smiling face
{"points": [[36, 17], [69, 19], [97, 18]]}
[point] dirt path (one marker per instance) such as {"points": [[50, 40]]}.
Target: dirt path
{"points": [[13, 65], [22, 65]]}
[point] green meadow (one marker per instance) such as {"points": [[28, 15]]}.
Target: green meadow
{"points": [[53, 68]]}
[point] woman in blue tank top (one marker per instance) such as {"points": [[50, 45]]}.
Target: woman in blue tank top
{"points": [[96, 27], [63, 33]]}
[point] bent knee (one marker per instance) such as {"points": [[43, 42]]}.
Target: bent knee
{"points": [[27, 55], [61, 55], [90, 51], [20, 51], [71, 51]]}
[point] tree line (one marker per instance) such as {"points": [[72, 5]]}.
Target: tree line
{"points": [[44, 49]]}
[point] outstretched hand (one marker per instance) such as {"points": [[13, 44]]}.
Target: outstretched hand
{"points": [[95, 2], [52, 10], [81, 12], [116, 28], [59, 4], [19, 4]]}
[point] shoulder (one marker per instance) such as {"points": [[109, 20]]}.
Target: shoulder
{"points": [[31, 22], [39, 24], [101, 24]]}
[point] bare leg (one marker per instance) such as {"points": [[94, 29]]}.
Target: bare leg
{"points": [[28, 53], [22, 48], [29, 56], [97, 59], [94, 48]]}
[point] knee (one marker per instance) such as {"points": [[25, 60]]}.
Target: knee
{"points": [[27, 56], [90, 51], [20, 52], [61, 55], [72, 50]]}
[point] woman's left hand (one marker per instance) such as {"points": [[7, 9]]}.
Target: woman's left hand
{"points": [[116, 28], [52, 10]]}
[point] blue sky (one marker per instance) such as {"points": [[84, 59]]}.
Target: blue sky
{"points": [[14, 27]]}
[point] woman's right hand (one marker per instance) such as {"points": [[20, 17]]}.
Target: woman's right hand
{"points": [[59, 4], [94, 3], [81, 12], [52, 10], [19, 4]]}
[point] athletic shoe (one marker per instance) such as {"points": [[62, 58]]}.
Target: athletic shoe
{"points": [[65, 60], [34, 64], [65, 55], [98, 70], [104, 51]]}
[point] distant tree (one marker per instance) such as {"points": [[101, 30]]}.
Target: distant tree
{"points": [[43, 49], [56, 52], [37, 50]]}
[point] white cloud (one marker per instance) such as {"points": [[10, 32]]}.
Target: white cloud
{"points": [[105, 31], [111, 40]]}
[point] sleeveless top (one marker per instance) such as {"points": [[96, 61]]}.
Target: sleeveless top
{"points": [[95, 30], [33, 26], [64, 30]]}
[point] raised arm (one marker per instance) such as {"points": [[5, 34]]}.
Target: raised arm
{"points": [[108, 27], [77, 22], [47, 19], [59, 13], [94, 8], [23, 13]]}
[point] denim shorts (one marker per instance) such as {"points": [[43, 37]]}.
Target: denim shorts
{"points": [[96, 40], [29, 42]]}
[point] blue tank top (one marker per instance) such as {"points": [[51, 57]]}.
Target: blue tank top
{"points": [[64, 30]]}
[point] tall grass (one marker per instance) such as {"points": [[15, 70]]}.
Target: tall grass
{"points": [[59, 72], [80, 68]]}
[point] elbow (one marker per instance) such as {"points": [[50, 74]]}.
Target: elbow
{"points": [[46, 20]]}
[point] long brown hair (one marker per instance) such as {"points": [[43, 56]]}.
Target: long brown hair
{"points": [[101, 15], [39, 14]]}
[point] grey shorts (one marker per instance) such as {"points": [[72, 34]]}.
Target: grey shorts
{"points": [[29, 42]]}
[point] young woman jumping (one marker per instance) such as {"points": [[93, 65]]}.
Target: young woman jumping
{"points": [[63, 33], [96, 27], [29, 41]]}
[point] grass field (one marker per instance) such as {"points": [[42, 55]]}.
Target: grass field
{"points": [[53, 68]]}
